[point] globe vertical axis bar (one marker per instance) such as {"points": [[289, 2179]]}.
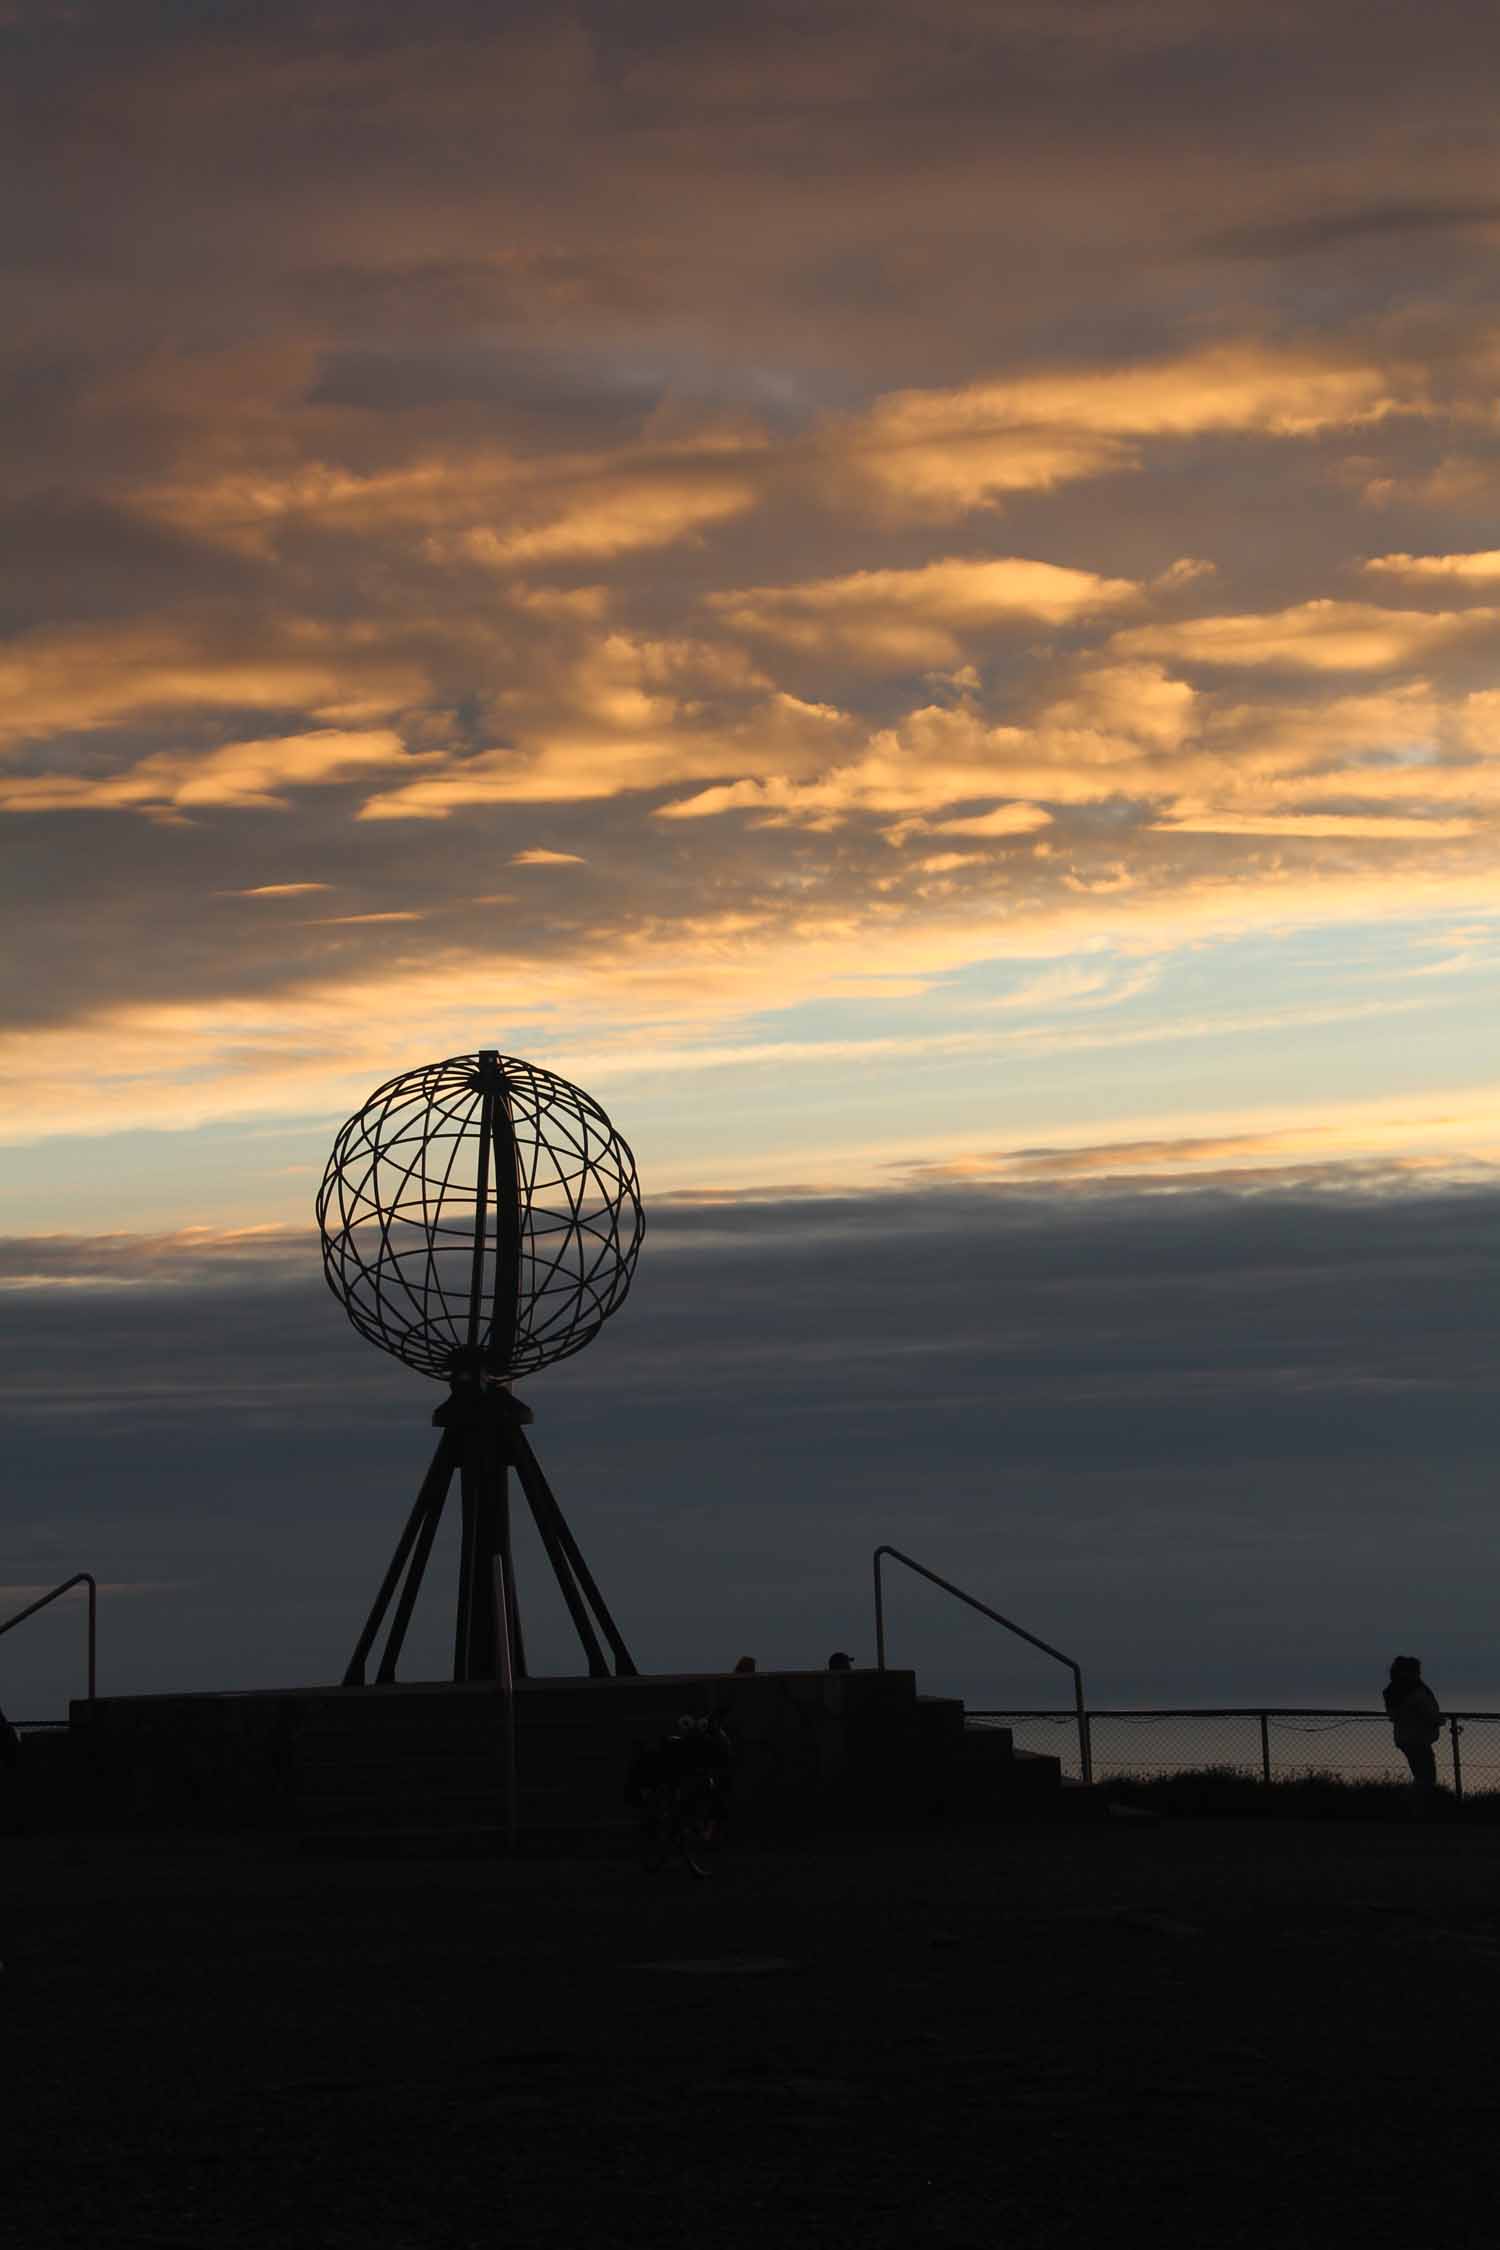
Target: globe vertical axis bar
{"points": [[483, 1480]]}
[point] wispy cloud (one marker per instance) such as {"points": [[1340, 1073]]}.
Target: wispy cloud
{"points": [[1317, 636], [282, 890], [905, 620], [1482, 569], [249, 775], [1366, 825], [947, 452], [353, 921]]}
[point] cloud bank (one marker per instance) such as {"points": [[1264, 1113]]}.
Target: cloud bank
{"points": [[1224, 1444], [721, 459]]}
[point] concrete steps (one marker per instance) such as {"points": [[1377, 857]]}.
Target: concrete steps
{"points": [[982, 1776]]}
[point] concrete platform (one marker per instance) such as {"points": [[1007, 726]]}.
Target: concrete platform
{"points": [[427, 1758]]}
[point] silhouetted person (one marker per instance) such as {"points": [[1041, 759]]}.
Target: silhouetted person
{"points": [[695, 1747], [745, 1664], [840, 1662], [1416, 1723]]}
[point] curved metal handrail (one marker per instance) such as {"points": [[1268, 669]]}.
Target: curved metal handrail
{"points": [[79, 1578], [1085, 1755]]}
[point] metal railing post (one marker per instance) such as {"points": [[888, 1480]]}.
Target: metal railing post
{"points": [[79, 1578], [1454, 1731], [1265, 1748], [1085, 1744], [879, 1615]]}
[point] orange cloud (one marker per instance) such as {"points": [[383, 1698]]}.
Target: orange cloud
{"points": [[1108, 710], [86, 678], [627, 715], [1005, 820], [622, 516], [1187, 1153], [931, 465], [1284, 392], [256, 774], [345, 921], [934, 758], [943, 452], [1106, 730], [281, 890], [910, 620], [1481, 569], [1376, 825], [1116, 734], [476, 503], [1409, 1137], [1316, 636]]}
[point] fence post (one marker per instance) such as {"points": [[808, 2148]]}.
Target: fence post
{"points": [[1454, 1731], [879, 1615], [1265, 1749], [1085, 1751]]}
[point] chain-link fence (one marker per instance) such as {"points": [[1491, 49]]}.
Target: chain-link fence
{"points": [[1261, 1745]]}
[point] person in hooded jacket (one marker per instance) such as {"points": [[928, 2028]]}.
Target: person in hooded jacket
{"points": [[1416, 1721]]}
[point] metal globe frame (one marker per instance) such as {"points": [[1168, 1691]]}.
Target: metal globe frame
{"points": [[480, 1219]]}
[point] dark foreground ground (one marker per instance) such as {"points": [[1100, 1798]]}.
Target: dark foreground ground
{"points": [[1206, 2032]]}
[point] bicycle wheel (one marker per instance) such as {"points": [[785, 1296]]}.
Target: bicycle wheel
{"points": [[702, 1828]]}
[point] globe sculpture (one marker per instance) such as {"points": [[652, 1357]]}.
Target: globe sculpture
{"points": [[480, 1219]]}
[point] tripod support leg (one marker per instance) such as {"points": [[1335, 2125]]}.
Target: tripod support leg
{"points": [[433, 1494], [543, 1505], [474, 1637], [354, 1676], [562, 1571], [503, 1548]]}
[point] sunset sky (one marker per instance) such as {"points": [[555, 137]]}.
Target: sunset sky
{"points": [[908, 595]]}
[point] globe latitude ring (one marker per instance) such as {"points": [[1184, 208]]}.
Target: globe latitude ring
{"points": [[480, 1218]]}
